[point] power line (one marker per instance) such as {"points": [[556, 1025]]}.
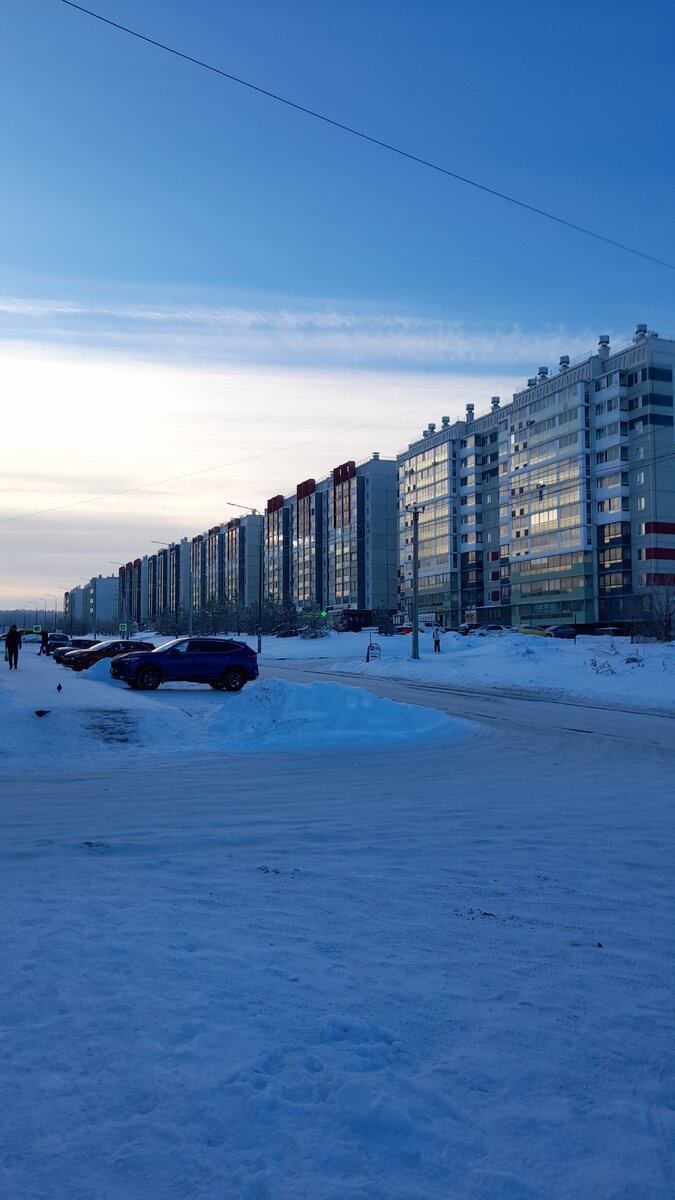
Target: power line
{"points": [[139, 487], [366, 137]]}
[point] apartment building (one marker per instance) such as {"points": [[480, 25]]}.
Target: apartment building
{"points": [[308, 547], [559, 506], [361, 535], [215, 557], [179, 563], [73, 606], [198, 571], [332, 544], [242, 560], [277, 535]]}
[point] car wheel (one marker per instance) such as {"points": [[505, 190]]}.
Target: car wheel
{"points": [[148, 679], [233, 680]]}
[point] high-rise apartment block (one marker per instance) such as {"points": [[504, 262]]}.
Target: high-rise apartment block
{"points": [[332, 544], [557, 507]]}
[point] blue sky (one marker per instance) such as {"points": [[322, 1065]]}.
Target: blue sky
{"points": [[153, 213]]}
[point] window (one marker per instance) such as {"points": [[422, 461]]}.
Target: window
{"points": [[640, 478], [640, 503]]}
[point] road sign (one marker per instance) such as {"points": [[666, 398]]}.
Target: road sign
{"points": [[37, 629], [122, 628]]}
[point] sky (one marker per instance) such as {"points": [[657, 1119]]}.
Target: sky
{"points": [[195, 278]]}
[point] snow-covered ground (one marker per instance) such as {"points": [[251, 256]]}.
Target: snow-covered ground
{"points": [[94, 719], [435, 969], [605, 669]]}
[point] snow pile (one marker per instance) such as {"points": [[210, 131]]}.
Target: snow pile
{"points": [[277, 714], [100, 671], [94, 718]]}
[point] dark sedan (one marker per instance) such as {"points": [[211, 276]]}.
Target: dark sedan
{"points": [[562, 631], [80, 660], [222, 664]]}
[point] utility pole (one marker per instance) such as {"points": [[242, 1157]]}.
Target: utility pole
{"points": [[415, 509]]}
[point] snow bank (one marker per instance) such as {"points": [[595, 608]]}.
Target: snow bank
{"points": [[276, 714], [95, 717], [592, 668]]}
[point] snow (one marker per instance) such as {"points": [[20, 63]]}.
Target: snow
{"points": [[437, 968], [94, 718], [596, 668]]}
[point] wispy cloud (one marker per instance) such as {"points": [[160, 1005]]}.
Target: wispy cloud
{"points": [[287, 336]]}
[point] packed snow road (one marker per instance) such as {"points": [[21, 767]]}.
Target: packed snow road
{"points": [[553, 719], [426, 971]]}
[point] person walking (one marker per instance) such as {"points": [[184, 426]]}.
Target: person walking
{"points": [[437, 639], [44, 643], [12, 646]]}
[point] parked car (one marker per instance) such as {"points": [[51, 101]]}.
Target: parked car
{"points": [[534, 630], [562, 631], [74, 644], [224, 665], [611, 631], [55, 640], [80, 660], [485, 631]]}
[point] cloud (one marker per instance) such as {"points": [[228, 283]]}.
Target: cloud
{"points": [[179, 408], [286, 335]]}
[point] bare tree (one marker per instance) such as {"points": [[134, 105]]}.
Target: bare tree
{"points": [[660, 614]]}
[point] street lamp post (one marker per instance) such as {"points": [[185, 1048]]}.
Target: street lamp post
{"points": [[37, 617], [261, 562], [415, 510]]}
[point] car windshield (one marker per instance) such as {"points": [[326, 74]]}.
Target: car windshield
{"points": [[176, 644]]}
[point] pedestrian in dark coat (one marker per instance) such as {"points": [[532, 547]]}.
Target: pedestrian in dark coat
{"points": [[44, 643], [437, 640], [12, 646]]}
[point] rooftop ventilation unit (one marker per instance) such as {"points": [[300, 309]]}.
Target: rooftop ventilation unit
{"points": [[531, 382], [564, 362], [640, 332], [469, 413], [432, 427], [603, 345], [542, 373], [495, 401], [445, 421], [376, 455]]}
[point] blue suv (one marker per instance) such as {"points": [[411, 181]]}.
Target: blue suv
{"points": [[225, 666]]}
